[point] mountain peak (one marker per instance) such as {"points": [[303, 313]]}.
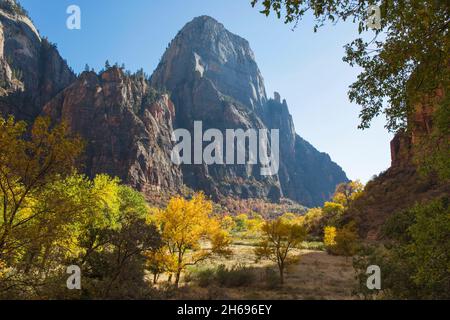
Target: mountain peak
{"points": [[205, 19], [205, 47], [203, 23], [207, 31], [13, 7]]}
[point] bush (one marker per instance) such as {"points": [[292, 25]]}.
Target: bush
{"points": [[241, 223], [204, 277], [234, 277]]}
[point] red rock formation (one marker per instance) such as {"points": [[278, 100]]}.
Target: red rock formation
{"points": [[126, 124]]}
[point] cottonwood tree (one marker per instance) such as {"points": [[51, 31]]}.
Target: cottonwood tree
{"points": [[347, 192], [28, 168], [190, 234], [280, 238]]}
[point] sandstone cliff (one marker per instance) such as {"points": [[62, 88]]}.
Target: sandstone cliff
{"points": [[213, 77], [127, 126], [31, 69]]}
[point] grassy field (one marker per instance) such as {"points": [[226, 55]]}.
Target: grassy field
{"points": [[316, 275]]}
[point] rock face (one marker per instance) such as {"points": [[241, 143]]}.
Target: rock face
{"points": [[31, 69], [213, 77], [127, 126]]}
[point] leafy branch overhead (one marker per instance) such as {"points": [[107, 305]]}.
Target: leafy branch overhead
{"points": [[406, 61]]}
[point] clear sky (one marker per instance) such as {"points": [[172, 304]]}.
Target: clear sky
{"points": [[305, 67]]}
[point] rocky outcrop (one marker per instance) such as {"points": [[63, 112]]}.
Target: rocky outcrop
{"points": [[213, 77], [127, 126], [31, 69], [401, 150]]}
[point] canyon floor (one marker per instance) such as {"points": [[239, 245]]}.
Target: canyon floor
{"points": [[315, 275]]}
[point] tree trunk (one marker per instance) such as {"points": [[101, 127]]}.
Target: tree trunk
{"points": [[155, 278], [177, 278], [281, 268]]}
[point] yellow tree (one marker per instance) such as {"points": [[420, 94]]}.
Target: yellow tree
{"points": [[190, 233], [29, 165], [329, 236], [281, 237], [347, 192], [228, 223]]}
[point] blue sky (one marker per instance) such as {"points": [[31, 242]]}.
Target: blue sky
{"points": [[305, 67]]}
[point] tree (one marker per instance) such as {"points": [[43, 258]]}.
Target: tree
{"points": [[184, 225], [241, 222], [347, 192], [333, 210], [410, 62], [280, 238], [342, 241], [87, 68], [28, 168], [120, 265], [160, 261], [52, 217], [254, 224], [228, 223], [313, 221], [431, 154], [329, 237], [107, 65]]}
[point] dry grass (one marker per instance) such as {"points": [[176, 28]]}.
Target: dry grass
{"points": [[317, 275]]}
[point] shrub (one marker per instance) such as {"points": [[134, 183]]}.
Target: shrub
{"points": [[233, 277], [236, 276], [204, 277]]}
